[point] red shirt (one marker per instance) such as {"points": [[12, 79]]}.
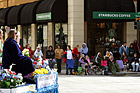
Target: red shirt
{"points": [[75, 52]]}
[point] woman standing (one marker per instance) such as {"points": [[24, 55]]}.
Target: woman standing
{"points": [[68, 59], [50, 54], [1, 45], [132, 51], [58, 55], [75, 52]]}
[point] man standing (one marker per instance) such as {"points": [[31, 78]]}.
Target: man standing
{"points": [[124, 49]]}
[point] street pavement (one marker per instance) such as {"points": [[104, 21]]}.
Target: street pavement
{"points": [[98, 84]]}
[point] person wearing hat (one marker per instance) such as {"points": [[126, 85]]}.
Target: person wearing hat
{"points": [[124, 49], [13, 55], [38, 53]]}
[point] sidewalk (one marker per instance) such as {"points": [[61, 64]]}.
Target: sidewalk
{"points": [[122, 73]]}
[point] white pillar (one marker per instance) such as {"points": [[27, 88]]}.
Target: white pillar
{"points": [[19, 28], [50, 34], [33, 36], [75, 22], [131, 33]]}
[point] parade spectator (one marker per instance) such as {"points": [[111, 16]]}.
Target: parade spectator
{"points": [[108, 54], [135, 63], [38, 53], [89, 64], [124, 49], [104, 63], [84, 49], [137, 47], [69, 60], [113, 65], [98, 59], [63, 45], [132, 51], [58, 55], [76, 53], [13, 55], [31, 52], [50, 55], [84, 63], [1, 45]]}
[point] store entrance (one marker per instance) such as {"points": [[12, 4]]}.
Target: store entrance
{"points": [[104, 36]]}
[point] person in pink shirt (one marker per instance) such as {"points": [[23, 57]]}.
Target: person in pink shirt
{"points": [[104, 63]]}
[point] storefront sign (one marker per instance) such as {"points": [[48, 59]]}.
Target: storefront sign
{"points": [[43, 16], [137, 14], [113, 15]]}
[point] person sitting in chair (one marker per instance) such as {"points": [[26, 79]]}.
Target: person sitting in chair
{"points": [[13, 55]]}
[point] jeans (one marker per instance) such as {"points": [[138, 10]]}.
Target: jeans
{"points": [[58, 65], [68, 68], [135, 65], [76, 64], [51, 63]]}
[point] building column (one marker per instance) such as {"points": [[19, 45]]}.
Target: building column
{"points": [[19, 28], [33, 36], [51, 34], [75, 22], [131, 33]]}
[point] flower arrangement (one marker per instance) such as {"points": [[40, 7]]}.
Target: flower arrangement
{"points": [[40, 63], [9, 79], [26, 52], [40, 71]]}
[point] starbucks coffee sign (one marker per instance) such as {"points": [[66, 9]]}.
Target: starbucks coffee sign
{"points": [[43, 16], [113, 15]]}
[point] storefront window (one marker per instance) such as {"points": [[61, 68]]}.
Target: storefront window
{"points": [[61, 33], [26, 34], [104, 37]]}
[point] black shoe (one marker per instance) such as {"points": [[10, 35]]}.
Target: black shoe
{"points": [[71, 73]]}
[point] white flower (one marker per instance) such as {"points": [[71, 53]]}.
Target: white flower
{"points": [[12, 80]]}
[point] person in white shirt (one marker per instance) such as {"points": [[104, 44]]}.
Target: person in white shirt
{"points": [[68, 57], [38, 53]]}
